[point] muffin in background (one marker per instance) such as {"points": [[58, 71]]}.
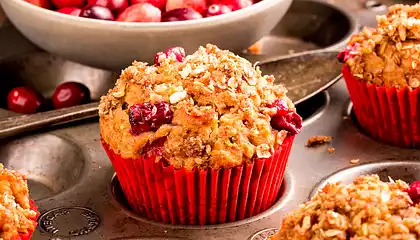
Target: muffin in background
{"points": [[198, 139], [367, 209], [18, 213], [381, 70]]}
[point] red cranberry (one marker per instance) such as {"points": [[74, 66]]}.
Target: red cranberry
{"points": [[217, 9], [234, 4], [41, 3], [281, 106], [414, 192], [176, 53], [161, 4], [290, 122], [348, 52], [148, 116], [155, 148], [197, 5], [142, 12], [117, 6], [97, 12], [69, 3], [24, 100], [70, 11], [180, 14], [70, 94]]}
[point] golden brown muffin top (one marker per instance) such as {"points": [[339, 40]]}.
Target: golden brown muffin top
{"points": [[367, 209], [220, 104], [388, 55], [16, 215]]}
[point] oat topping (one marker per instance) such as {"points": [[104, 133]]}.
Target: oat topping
{"points": [[388, 55], [222, 107], [15, 214], [367, 209]]}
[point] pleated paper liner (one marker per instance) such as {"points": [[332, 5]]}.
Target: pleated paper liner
{"points": [[390, 115], [28, 235], [200, 197]]}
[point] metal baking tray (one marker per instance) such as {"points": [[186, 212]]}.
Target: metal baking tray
{"points": [[75, 187]]}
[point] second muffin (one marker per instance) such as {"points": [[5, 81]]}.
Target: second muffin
{"points": [[202, 139]]}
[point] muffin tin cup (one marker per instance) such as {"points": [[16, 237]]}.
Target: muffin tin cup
{"points": [[389, 115], [200, 197], [28, 235]]}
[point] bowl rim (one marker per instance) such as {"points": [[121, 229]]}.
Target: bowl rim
{"points": [[229, 17]]}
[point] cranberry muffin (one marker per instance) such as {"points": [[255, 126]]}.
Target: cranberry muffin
{"points": [[367, 209], [381, 70], [18, 214], [201, 139]]}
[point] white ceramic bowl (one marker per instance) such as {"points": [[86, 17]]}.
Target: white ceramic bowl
{"points": [[114, 45]]}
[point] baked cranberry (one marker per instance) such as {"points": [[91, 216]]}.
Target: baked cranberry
{"points": [[180, 14], [290, 122], [70, 94], [414, 192], [70, 11], [217, 9], [197, 5], [142, 12], [348, 52], [155, 148], [24, 100], [69, 3], [148, 116], [97, 12], [116, 6], [41, 3], [161, 4], [176, 53], [281, 107]]}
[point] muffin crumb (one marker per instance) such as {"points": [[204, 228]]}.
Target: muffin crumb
{"points": [[331, 150], [355, 161], [318, 140]]}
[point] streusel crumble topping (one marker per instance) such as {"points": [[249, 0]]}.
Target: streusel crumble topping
{"points": [[216, 106], [367, 209], [388, 55], [16, 215]]}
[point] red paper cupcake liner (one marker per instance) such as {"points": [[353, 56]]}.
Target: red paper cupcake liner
{"points": [[389, 115], [199, 197], [28, 235]]}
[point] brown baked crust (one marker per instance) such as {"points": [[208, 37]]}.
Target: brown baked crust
{"points": [[367, 209], [16, 215], [219, 102], [389, 55]]}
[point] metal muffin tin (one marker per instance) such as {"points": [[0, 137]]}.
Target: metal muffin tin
{"points": [[74, 185]]}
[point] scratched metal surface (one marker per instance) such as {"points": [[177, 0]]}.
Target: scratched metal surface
{"points": [[72, 179]]}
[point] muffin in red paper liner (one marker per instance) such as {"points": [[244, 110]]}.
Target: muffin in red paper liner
{"points": [[198, 139], [382, 72], [366, 209], [18, 213]]}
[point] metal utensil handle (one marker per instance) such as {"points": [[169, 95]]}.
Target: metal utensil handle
{"points": [[16, 125]]}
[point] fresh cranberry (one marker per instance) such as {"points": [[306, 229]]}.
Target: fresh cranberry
{"points": [[116, 6], [176, 53], [217, 9], [161, 4], [290, 122], [24, 100], [155, 148], [233, 4], [69, 3], [70, 11], [142, 12], [97, 12], [70, 94], [148, 116], [414, 192], [348, 52], [41, 3], [180, 14], [197, 5]]}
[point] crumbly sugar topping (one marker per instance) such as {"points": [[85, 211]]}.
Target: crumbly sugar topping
{"points": [[388, 55], [367, 209], [220, 104], [15, 214]]}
